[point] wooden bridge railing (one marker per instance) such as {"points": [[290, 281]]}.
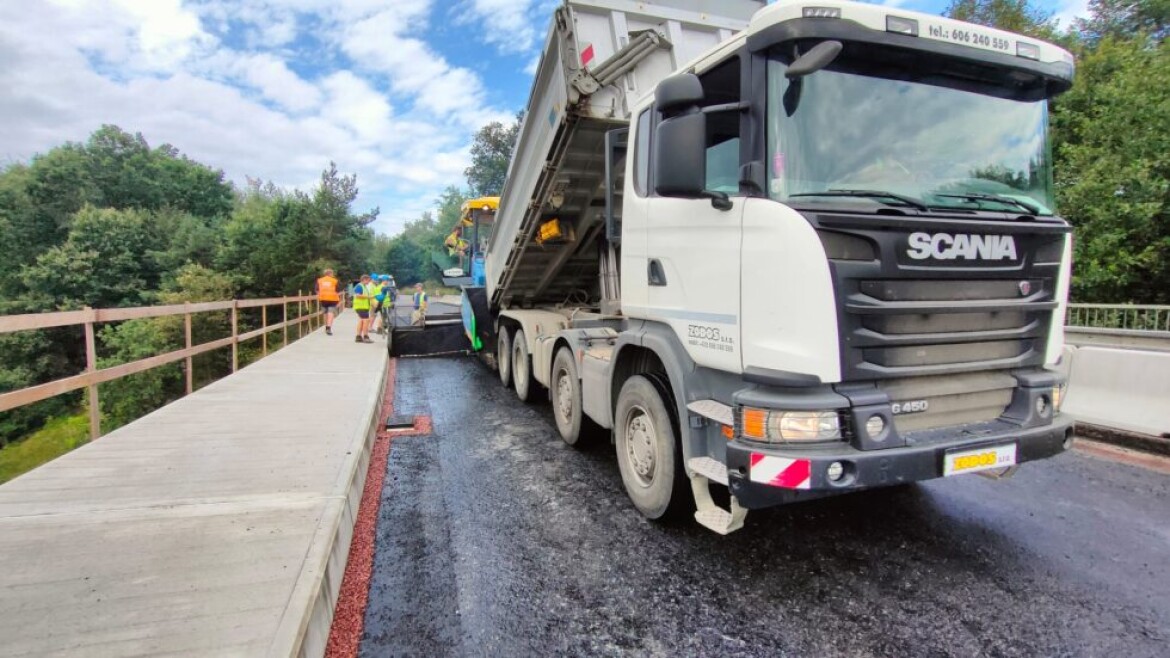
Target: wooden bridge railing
{"points": [[308, 311]]}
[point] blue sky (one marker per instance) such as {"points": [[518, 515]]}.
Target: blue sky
{"points": [[392, 90]]}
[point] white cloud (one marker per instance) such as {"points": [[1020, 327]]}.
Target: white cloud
{"points": [[277, 82], [356, 105], [367, 92], [507, 24], [1070, 10]]}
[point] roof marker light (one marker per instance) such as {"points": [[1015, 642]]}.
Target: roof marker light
{"points": [[899, 25], [822, 12], [1029, 50]]}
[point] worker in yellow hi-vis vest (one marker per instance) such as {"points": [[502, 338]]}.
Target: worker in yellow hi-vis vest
{"points": [[419, 316], [362, 301]]}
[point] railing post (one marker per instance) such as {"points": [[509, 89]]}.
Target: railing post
{"points": [[284, 314], [264, 326], [95, 407], [235, 336], [190, 359]]}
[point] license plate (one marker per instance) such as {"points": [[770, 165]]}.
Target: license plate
{"points": [[983, 459]]}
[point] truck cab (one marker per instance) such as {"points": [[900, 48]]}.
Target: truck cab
{"points": [[838, 266]]}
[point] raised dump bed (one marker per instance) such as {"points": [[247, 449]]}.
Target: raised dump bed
{"points": [[599, 57]]}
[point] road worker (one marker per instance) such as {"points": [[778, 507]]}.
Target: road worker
{"points": [[386, 302], [377, 297], [362, 298], [328, 297], [419, 317]]}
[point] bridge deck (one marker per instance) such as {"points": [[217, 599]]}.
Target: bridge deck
{"points": [[217, 525]]}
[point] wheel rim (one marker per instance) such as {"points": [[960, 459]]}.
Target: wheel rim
{"points": [[564, 397], [641, 445]]}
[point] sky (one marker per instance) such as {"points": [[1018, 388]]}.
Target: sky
{"points": [[391, 90]]}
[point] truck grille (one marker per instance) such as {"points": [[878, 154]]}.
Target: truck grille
{"points": [[906, 319], [949, 399]]}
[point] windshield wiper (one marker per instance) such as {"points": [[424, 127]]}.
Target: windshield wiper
{"points": [[981, 196], [873, 194]]}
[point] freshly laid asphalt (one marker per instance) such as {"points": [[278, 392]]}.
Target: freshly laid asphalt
{"points": [[496, 539]]}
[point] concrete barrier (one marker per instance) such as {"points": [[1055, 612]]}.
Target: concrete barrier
{"points": [[1118, 388]]}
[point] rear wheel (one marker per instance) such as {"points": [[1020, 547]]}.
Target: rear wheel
{"points": [[566, 397], [645, 436], [521, 367], [504, 357]]}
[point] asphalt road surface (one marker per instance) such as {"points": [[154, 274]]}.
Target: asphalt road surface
{"points": [[496, 539]]}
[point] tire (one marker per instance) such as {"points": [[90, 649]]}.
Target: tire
{"points": [[521, 367], [504, 357], [646, 440], [565, 388]]}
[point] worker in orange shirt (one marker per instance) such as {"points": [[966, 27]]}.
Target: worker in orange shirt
{"points": [[328, 296]]}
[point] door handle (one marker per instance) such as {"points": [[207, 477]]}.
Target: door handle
{"points": [[655, 274]]}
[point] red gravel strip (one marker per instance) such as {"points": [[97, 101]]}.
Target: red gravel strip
{"points": [[349, 618]]}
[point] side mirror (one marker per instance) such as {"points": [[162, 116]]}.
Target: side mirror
{"points": [[817, 58], [680, 156], [678, 92]]}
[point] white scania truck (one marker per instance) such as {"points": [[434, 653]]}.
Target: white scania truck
{"points": [[794, 250]]}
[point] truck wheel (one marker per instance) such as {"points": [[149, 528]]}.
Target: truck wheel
{"points": [[647, 447], [521, 367], [566, 397], [504, 357]]}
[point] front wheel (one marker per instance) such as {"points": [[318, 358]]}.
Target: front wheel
{"points": [[645, 437], [504, 357]]}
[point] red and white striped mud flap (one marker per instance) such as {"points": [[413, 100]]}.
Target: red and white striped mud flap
{"points": [[781, 472]]}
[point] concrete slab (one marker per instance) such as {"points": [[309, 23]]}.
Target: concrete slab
{"points": [[217, 525]]}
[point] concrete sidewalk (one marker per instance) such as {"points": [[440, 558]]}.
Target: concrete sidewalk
{"points": [[217, 525]]}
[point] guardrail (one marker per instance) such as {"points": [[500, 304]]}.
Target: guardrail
{"points": [[1127, 317], [308, 311]]}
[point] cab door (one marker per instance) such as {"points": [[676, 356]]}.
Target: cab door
{"points": [[692, 267]]}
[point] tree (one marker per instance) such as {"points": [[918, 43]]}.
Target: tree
{"points": [[1123, 19], [278, 242], [1017, 16], [491, 151], [107, 261], [1112, 145]]}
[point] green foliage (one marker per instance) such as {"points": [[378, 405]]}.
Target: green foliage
{"points": [[56, 438], [105, 262], [1017, 16], [491, 151], [29, 358], [1113, 171], [1124, 19], [124, 400], [113, 222], [278, 242]]}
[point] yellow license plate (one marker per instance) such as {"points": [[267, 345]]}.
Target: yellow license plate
{"points": [[983, 459]]}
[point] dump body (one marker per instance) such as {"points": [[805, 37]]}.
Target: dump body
{"points": [[581, 91]]}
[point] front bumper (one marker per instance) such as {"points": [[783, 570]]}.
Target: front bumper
{"points": [[866, 469]]}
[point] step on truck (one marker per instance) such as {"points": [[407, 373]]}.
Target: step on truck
{"points": [[795, 250]]}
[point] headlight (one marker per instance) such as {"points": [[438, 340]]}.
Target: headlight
{"points": [[779, 426]]}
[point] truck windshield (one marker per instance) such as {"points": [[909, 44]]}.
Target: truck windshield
{"points": [[865, 139]]}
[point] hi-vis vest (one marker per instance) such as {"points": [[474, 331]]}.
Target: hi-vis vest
{"points": [[376, 291], [327, 289], [420, 299], [360, 301]]}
